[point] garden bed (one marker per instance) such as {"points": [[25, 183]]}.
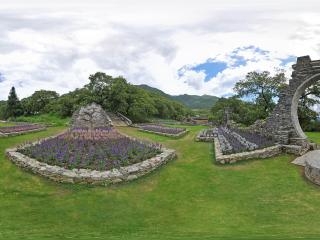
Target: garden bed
{"points": [[207, 135], [101, 157], [19, 129], [163, 130], [232, 145]]}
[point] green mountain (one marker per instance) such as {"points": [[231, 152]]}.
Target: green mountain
{"points": [[191, 101]]}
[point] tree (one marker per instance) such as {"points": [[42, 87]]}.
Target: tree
{"points": [[307, 116], [38, 102], [261, 88], [99, 87], [14, 108], [3, 107], [240, 111]]}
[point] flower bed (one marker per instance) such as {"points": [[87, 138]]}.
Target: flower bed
{"points": [[207, 135], [20, 129], [99, 149], [111, 157], [235, 140], [163, 130]]}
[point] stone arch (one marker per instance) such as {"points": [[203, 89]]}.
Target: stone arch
{"points": [[295, 100], [283, 123]]}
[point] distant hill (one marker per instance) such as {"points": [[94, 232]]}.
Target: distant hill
{"points": [[191, 101]]}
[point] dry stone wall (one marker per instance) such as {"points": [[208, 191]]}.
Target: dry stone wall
{"points": [[257, 154]]}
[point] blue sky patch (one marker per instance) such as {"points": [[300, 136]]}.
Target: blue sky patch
{"points": [[239, 61], [287, 60], [210, 68], [1, 78]]}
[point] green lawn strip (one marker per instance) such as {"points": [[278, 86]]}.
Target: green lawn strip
{"points": [[7, 124], [48, 119], [314, 136], [190, 198]]}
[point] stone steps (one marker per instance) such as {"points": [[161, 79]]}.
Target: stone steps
{"points": [[116, 120]]}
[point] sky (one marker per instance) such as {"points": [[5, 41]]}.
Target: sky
{"points": [[181, 47]]}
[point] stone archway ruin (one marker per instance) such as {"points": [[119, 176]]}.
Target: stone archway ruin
{"points": [[283, 123]]}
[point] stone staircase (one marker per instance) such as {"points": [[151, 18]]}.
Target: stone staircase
{"points": [[119, 120]]}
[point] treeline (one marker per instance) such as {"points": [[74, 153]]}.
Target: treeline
{"points": [[113, 94], [257, 95]]}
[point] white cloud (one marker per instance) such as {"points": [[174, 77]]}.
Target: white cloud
{"points": [[56, 44]]}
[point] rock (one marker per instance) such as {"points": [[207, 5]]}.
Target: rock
{"points": [[131, 177], [90, 116], [312, 166]]}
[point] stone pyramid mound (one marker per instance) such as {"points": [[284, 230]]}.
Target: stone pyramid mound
{"points": [[90, 116]]}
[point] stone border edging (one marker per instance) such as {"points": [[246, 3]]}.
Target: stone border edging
{"points": [[204, 139], [235, 157], [22, 132], [88, 176], [167, 134]]}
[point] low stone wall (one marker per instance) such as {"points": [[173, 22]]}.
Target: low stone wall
{"points": [[21, 133], [167, 134], [204, 139], [257, 154], [87, 176]]}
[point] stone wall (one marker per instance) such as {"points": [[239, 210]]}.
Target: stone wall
{"points": [[167, 134], [87, 176], [257, 154], [283, 123]]}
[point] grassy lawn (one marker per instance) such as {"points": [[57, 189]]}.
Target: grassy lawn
{"points": [[190, 198], [314, 136], [6, 124]]}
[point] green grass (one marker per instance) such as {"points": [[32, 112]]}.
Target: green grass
{"points": [[190, 198], [6, 124], [45, 119], [314, 136]]}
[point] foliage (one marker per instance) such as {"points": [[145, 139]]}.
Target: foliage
{"points": [[3, 107], [261, 88], [14, 108], [191, 101], [47, 119], [308, 117], [115, 94], [38, 102], [240, 111]]}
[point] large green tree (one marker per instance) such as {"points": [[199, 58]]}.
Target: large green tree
{"points": [[38, 102], [3, 107], [13, 108], [240, 111], [262, 88]]}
